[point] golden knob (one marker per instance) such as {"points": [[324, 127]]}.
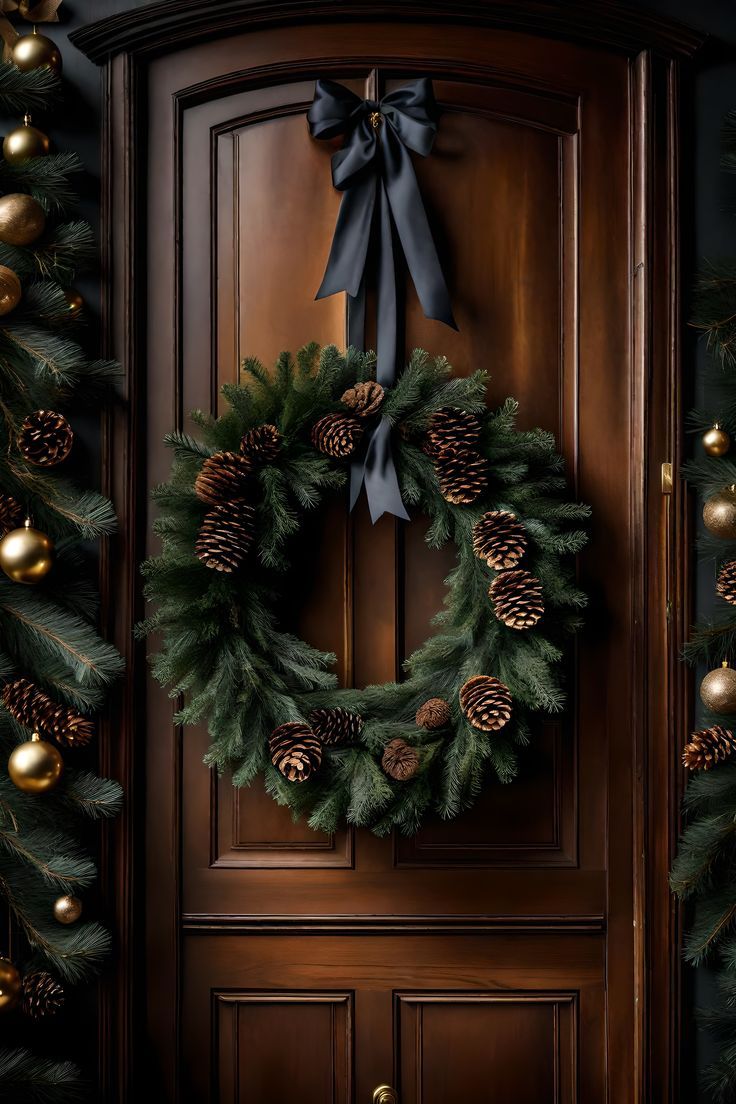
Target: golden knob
{"points": [[384, 1094]]}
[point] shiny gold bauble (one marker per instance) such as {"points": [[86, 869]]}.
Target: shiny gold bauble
{"points": [[10, 290], [11, 985], [34, 51], [75, 302], [26, 554], [35, 766], [716, 441], [718, 690], [67, 909], [25, 142], [719, 514], [22, 219]]}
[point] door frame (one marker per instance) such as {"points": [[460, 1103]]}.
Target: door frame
{"points": [[123, 45]]}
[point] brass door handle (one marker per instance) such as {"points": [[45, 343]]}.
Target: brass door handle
{"points": [[384, 1094]]}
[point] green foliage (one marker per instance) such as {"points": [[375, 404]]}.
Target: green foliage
{"points": [[225, 649], [27, 1079]]}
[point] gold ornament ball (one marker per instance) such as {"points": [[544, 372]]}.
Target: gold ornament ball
{"points": [[22, 219], [25, 142], [75, 302], [11, 985], [35, 766], [716, 441], [67, 909], [34, 51], [719, 514], [26, 554], [10, 290], [718, 690]]}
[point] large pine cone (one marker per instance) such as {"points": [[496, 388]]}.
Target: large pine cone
{"points": [[452, 428], [708, 747], [295, 751], [225, 536], [517, 598], [435, 713], [462, 475], [726, 584], [225, 477], [499, 539], [45, 438], [42, 995], [336, 726], [364, 399], [261, 444], [11, 513], [36, 711], [400, 760], [337, 435], [486, 702]]}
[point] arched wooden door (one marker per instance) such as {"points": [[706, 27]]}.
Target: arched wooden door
{"points": [[505, 956]]}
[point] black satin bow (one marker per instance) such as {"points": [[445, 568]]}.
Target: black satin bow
{"points": [[374, 171]]}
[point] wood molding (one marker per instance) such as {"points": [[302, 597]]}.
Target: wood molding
{"points": [[169, 25]]}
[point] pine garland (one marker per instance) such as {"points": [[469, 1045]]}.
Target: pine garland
{"points": [[224, 649], [47, 632], [704, 872]]}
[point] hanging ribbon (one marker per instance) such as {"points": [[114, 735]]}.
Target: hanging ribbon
{"points": [[374, 171]]}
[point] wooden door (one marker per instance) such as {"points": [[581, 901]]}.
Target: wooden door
{"points": [[503, 956]]}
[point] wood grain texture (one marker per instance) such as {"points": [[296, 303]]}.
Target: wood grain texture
{"points": [[566, 290]]}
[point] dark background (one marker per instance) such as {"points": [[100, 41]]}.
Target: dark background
{"points": [[708, 224]]}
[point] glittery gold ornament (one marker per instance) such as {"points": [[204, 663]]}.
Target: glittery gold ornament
{"points": [[11, 985], [25, 142], [35, 766], [719, 514], [716, 441], [10, 290], [26, 554], [718, 689], [22, 219], [36, 51], [67, 909]]}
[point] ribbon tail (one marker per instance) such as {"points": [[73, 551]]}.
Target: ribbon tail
{"points": [[378, 473], [349, 249]]}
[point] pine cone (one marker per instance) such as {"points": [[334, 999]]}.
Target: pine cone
{"points": [[224, 478], [295, 751], [36, 711], [337, 434], [435, 713], [499, 539], [42, 995], [517, 598], [486, 702], [225, 536], [45, 438], [452, 428], [336, 726], [261, 444], [364, 399], [462, 475], [708, 747], [726, 584], [11, 513], [400, 760]]}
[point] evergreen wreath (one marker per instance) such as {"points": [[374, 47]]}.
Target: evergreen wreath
{"points": [[384, 756]]}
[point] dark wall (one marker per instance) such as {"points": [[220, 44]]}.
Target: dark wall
{"points": [[708, 228]]}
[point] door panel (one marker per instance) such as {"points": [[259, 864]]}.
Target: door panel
{"points": [[498, 949]]}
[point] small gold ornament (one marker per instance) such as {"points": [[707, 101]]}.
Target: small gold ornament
{"points": [[10, 290], [35, 766], [376, 119], [716, 441], [36, 51], [26, 554], [75, 302], [718, 689], [22, 219], [25, 142], [719, 514], [67, 909], [11, 985]]}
